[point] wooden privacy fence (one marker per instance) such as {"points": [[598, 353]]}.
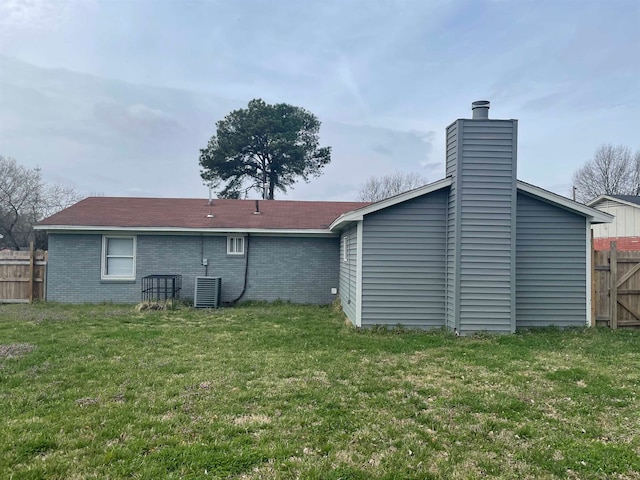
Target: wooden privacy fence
{"points": [[22, 275], [616, 279]]}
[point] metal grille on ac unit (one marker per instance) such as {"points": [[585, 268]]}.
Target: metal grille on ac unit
{"points": [[207, 294]]}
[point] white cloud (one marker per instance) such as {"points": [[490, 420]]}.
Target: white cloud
{"points": [[26, 16], [350, 84], [135, 120]]}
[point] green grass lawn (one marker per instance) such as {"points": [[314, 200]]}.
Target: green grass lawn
{"points": [[282, 391]]}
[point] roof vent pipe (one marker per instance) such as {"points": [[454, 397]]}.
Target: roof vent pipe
{"points": [[480, 109]]}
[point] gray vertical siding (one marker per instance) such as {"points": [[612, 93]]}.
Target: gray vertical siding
{"points": [[298, 269], [348, 272], [550, 265], [485, 196], [403, 263]]}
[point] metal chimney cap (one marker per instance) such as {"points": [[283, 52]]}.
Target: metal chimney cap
{"points": [[480, 109]]}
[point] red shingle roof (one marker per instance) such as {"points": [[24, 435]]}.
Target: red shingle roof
{"points": [[190, 213]]}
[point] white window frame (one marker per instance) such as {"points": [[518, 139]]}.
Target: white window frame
{"points": [[345, 248], [235, 245], [103, 267]]}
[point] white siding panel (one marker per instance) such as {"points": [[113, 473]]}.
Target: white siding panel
{"points": [[625, 224]]}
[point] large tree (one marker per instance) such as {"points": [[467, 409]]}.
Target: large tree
{"points": [[26, 199], [379, 188], [611, 171], [264, 148]]}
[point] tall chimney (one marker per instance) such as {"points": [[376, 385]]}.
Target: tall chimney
{"points": [[481, 223], [480, 109]]}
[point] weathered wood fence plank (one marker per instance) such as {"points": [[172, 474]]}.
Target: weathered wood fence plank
{"points": [[613, 287], [616, 280], [22, 276]]}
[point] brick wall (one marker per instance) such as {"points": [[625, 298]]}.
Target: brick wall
{"points": [[622, 243], [298, 269]]}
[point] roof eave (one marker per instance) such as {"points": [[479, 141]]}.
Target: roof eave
{"points": [[613, 199], [593, 215], [178, 230], [356, 215]]}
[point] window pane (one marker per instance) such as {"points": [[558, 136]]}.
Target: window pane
{"points": [[235, 245], [120, 267], [120, 246]]}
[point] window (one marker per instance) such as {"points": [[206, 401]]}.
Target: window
{"points": [[345, 248], [235, 245], [118, 258]]}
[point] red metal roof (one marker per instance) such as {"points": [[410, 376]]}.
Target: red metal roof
{"points": [[192, 213]]}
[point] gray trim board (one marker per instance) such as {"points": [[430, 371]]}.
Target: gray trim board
{"points": [[514, 215]]}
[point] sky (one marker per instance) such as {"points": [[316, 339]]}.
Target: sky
{"points": [[117, 97]]}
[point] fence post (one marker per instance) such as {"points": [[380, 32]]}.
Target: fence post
{"points": [[593, 282], [32, 271], [613, 286], [45, 275]]}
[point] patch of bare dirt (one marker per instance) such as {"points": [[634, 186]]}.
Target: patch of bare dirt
{"points": [[85, 402], [14, 350], [251, 419]]}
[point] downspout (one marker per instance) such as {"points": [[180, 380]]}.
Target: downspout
{"points": [[246, 272]]}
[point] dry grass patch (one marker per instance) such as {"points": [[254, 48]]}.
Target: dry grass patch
{"points": [[254, 419], [15, 350]]}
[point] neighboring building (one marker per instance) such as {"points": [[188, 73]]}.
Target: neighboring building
{"points": [[476, 251], [625, 228]]}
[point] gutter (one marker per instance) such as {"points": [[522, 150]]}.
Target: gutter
{"points": [[181, 231]]}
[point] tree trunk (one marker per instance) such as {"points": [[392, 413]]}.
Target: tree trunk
{"points": [[271, 187], [264, 184]]}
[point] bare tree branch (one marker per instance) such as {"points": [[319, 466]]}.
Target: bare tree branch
{"points": [[379, 188], [24, 200], [611, 171]]}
